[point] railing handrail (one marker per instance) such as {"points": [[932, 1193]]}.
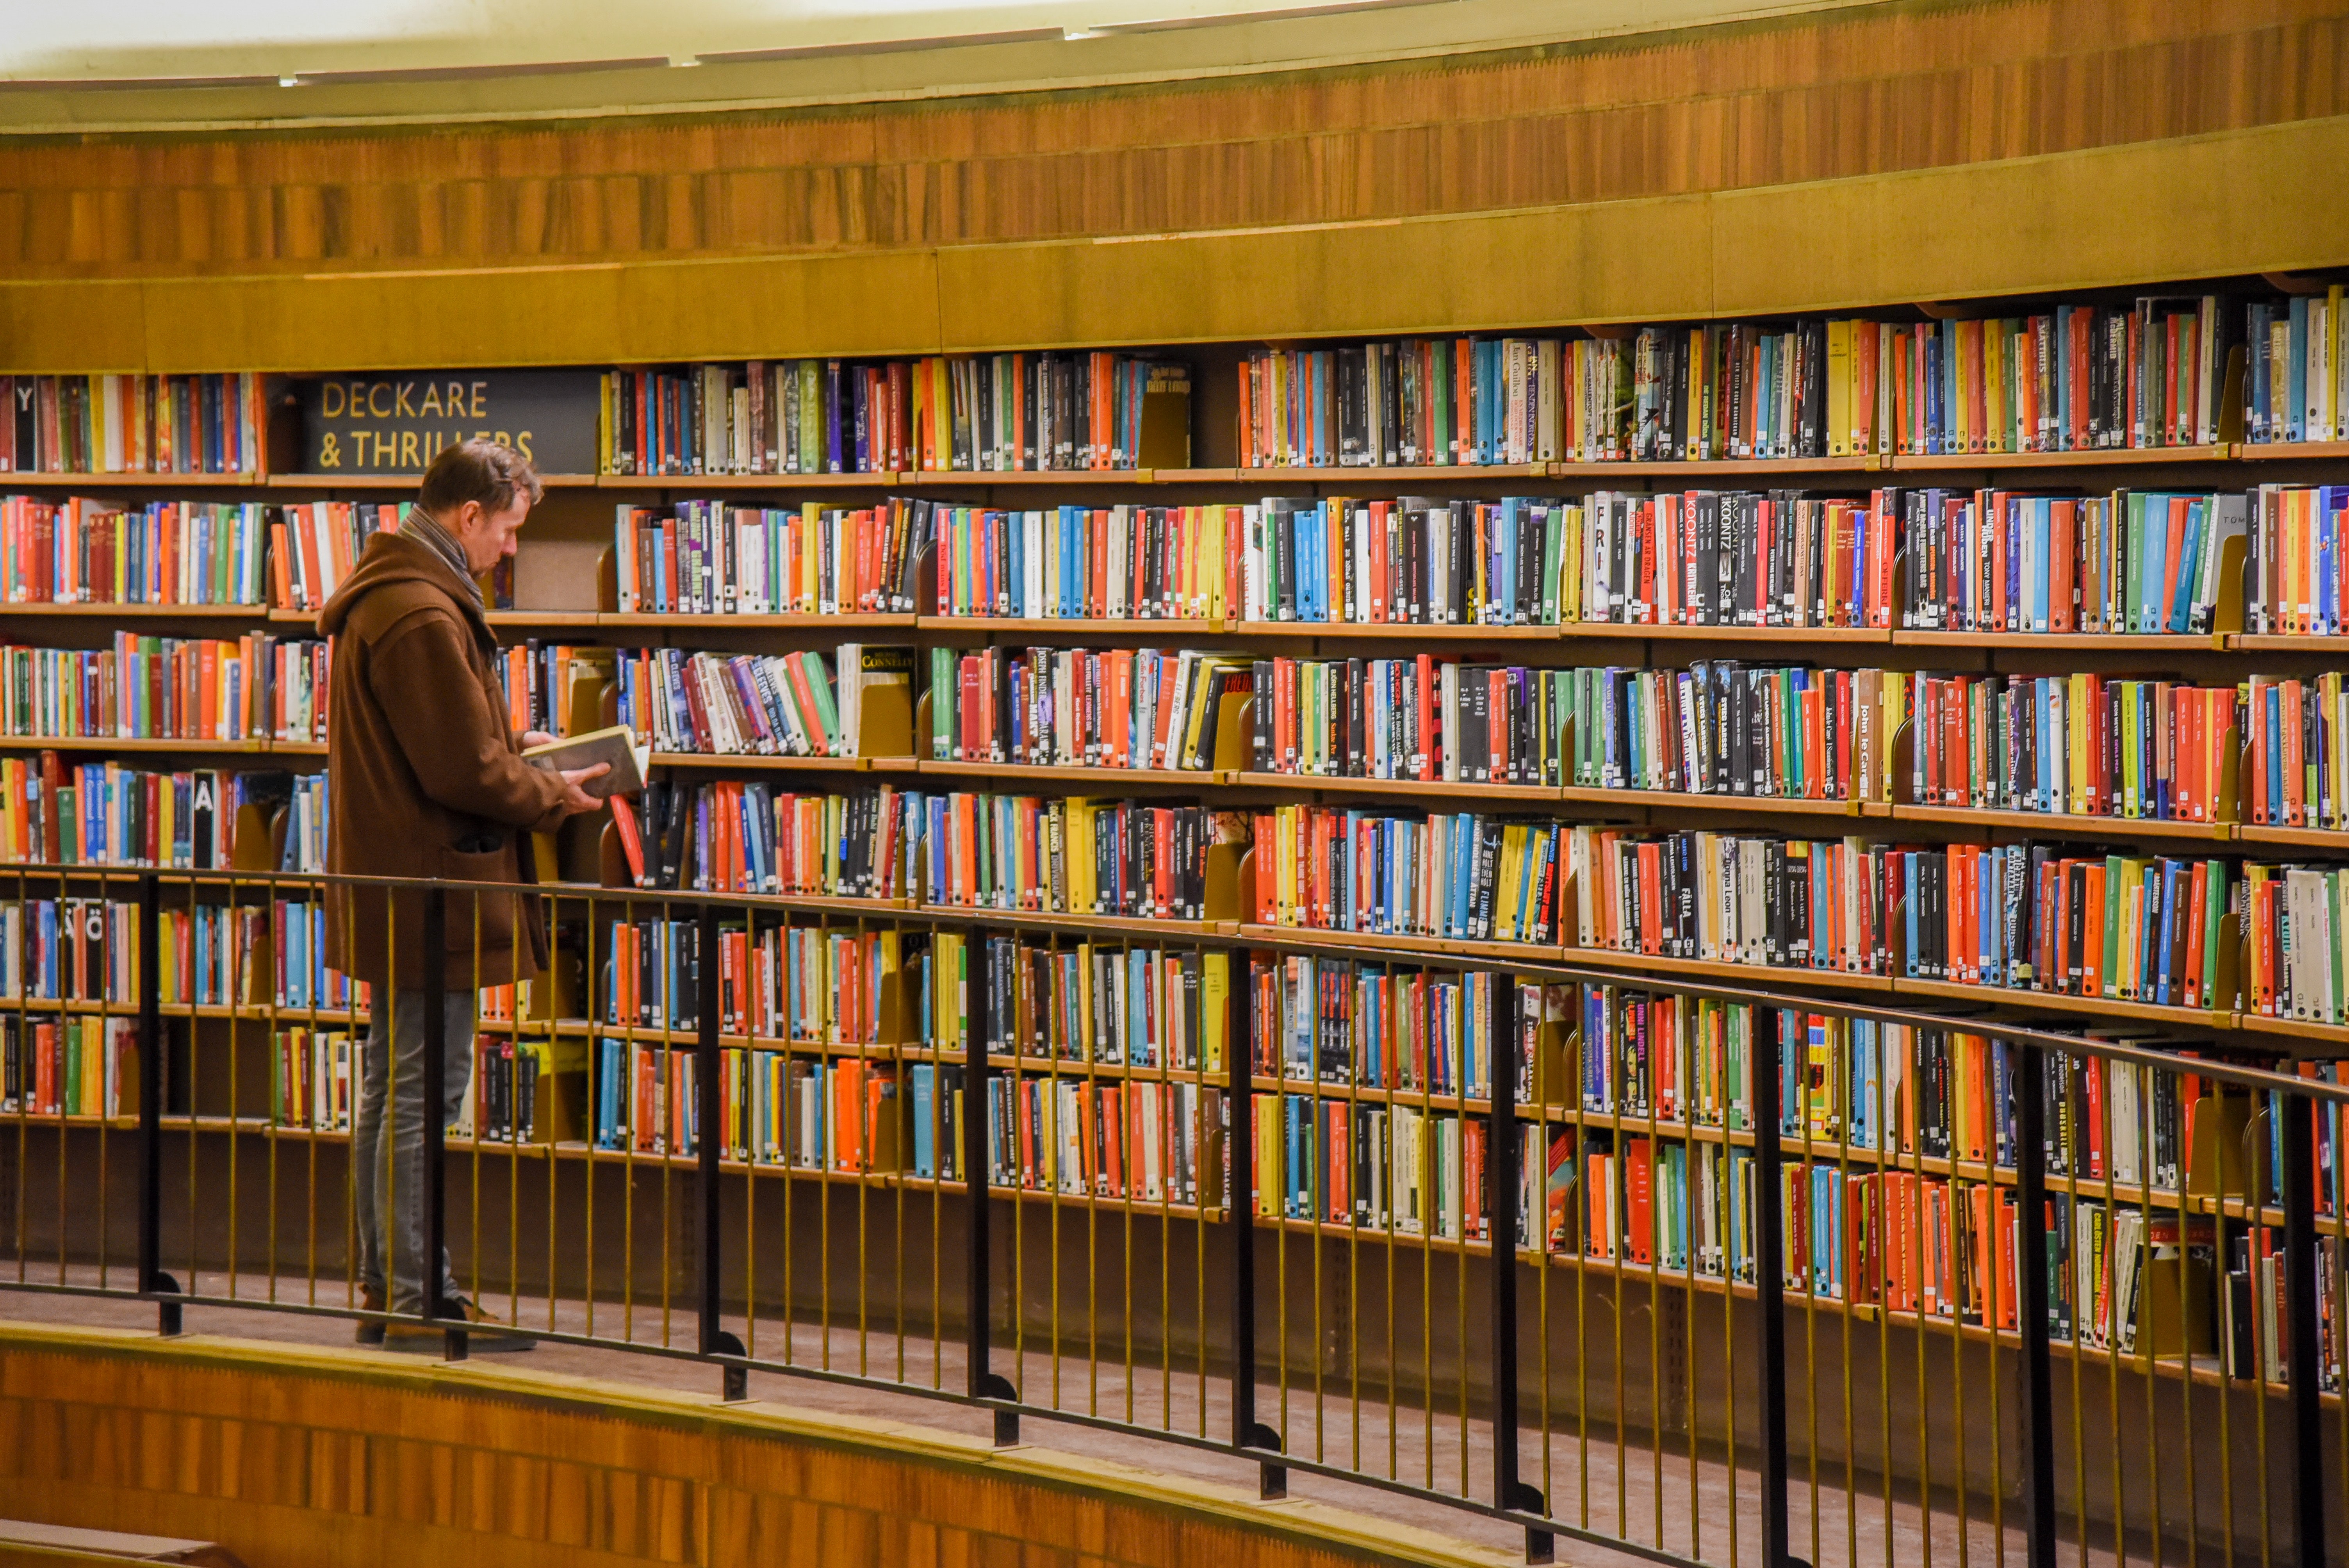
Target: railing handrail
{"points": [[1303, 941]]}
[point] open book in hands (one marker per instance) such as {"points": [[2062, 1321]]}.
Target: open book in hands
{"points": [[631, 761]]}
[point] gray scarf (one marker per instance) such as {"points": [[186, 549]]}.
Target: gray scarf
{"points": [[425, 529]]}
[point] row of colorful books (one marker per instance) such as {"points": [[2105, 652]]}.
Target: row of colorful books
{"points": [[2152, 373], [105, 813], [170, 688], [2080, 745], [1142, 1141], [730, 836], [2297, 388], [2128, 561], [708, 558], [2020, 915], [69, 1067], [209, 955], [188, 688], [770, 705], [1987, 559], [203, 424], [313, 1079], [1099, 707], [2076, 378], [1071, 855], [774, 981], [1461, 876], [80, 551], [999, 412]]}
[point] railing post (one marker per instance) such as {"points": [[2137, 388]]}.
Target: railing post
{"points": [[2038, 1458], [985, 1383], [432, 950], [1505, 1044], [710, 1139], [1770, 1280], [1239, 1217], [2300, 1330], [153, 1280]]}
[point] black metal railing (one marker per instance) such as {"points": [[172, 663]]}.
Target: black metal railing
{"points": [[2198, 1419]]}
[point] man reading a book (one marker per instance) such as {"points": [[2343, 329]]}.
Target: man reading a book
{"points": [[426, 779]]}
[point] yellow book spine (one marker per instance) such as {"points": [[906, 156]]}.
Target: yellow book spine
{"points": [[1284, 866], [1839, 379], [810, 555], [2075, 747], [1211, 524], [1215, 1008], [604, 424]]}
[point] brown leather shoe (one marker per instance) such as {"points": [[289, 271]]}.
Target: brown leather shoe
{"points": [[490, 1338], [365, 1333]]}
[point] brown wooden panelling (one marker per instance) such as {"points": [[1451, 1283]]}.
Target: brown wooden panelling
{"points": [[297, 1456], [2246, 201], [1883, 88]]}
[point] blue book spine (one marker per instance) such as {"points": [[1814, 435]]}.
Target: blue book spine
{"points": [[1910, 883], [924, 1094], [2328, 612], [1014, 525]]}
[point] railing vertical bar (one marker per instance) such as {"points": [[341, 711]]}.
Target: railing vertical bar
{"points": [[1239, 1086], [2307, 1443], [978, 1107], [2038, 1419], [433, 954], [1769, 1278], [1509, 1491], [709, 1145], [152, 1277]]}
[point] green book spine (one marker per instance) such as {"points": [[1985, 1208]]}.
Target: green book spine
{"points": [[2214, 907], [2128, 779], [827, 713], [811, 443], [945, 689]]}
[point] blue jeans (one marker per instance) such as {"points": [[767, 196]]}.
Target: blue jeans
{"points": [[389, 1196]]}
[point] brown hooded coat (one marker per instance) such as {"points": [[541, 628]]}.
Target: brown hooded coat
{"points": [[425, 779]]}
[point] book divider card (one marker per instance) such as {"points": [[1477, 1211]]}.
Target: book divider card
{"points": [[257, 844], [1231, 868], [2227, 609], [607, 581]]}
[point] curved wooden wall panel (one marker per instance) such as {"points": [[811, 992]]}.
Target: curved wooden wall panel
{"points": [[1852, 157], [293, 1455], [2252, 200], [1838, 95]]}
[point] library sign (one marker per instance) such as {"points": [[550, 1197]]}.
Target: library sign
{"points": [[397, 423]]}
